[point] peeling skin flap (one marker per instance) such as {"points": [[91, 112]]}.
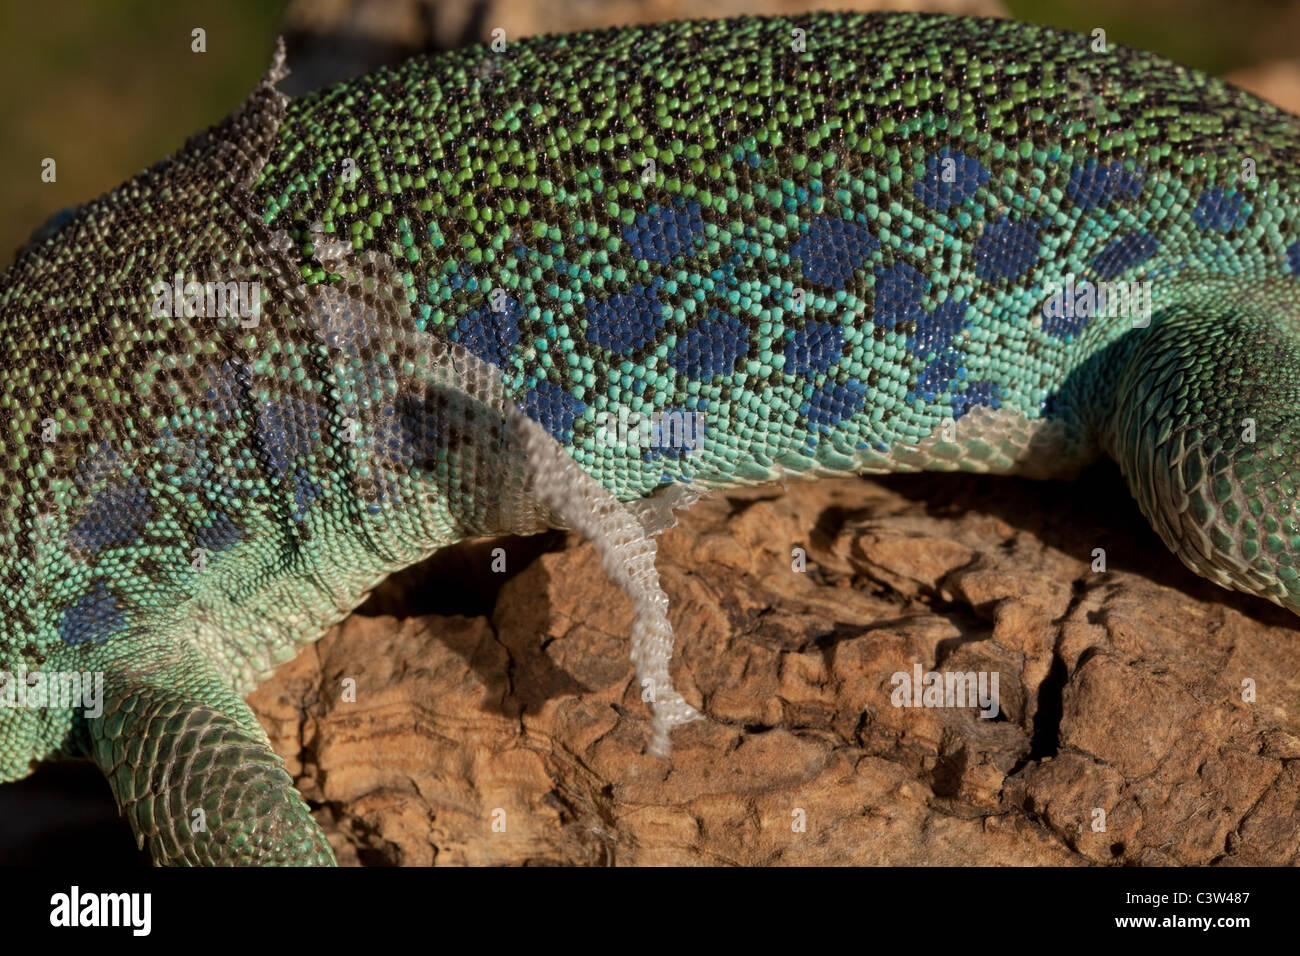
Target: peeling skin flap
{"points": [[628, 556]]}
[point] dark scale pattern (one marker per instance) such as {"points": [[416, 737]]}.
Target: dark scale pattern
{"points": [[831, 253], [915, 179]]}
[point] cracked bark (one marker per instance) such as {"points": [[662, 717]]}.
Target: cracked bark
{"points": [[1121, 694]]}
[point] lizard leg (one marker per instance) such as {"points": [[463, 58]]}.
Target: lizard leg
{"points": [[1204, 428], [193, 772]]}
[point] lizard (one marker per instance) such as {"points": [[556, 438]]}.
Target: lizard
{"points": [[579, 281]]}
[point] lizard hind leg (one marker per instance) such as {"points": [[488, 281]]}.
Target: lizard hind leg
{"points": [[621, 532], [1204, 428], [194, 774]]}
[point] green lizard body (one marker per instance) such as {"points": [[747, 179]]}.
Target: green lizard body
{"points": [[827, 245]]}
